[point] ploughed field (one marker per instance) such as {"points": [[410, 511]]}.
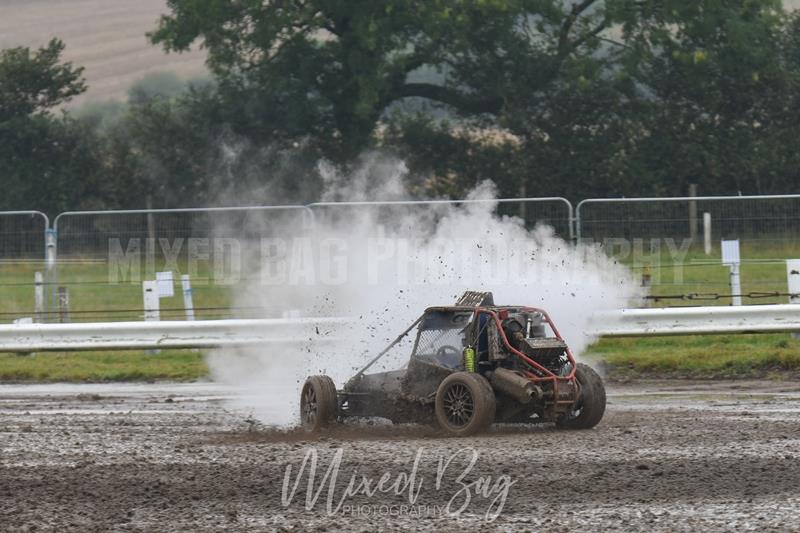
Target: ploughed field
{"points": [[105, 36], [142, 457]]}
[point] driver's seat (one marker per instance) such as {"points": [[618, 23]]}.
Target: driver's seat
{"points": [[449, 357]]}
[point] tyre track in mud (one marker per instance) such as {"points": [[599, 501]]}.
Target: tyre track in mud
{"points": [[716, 456]]}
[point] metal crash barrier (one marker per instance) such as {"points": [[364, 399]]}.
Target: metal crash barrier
{"points": [[213, 333]]}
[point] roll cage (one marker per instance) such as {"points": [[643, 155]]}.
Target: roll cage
{"points": [[532, 370]]}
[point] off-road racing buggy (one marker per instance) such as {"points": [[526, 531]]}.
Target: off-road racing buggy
{"points": [[472, 364]]}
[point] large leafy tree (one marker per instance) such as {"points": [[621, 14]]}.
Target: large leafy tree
{"points": [[180, 151], [672, 92], [47, 163], [712, 74], [592, 97], [34, 82], [333, 68]]}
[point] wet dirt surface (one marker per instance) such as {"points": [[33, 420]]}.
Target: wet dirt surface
{"points": [[668, 456]]}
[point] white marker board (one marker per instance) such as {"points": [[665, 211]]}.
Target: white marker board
{"points": [[730, 253], [166, 284]]}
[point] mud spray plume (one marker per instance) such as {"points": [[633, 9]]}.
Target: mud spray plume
{"points": [[381, 267]]}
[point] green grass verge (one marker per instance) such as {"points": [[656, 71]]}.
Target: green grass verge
{"points": [[701, 356], [171, 365], [712, 356]]}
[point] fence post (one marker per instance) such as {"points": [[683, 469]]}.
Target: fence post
{"points": [[577, 225], [51, 261], [151, 223], [152, 311], [572, 237], [732, 258], [693, 212], [188, 301], [707, 233], [736, 284], [38, 296], [50, 247], [793, 279], [63, 305]]}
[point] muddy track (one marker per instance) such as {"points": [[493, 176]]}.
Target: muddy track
{"points": [[668, 457]]}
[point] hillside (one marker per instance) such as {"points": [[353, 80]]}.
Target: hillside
{"points": [[105, 36]]}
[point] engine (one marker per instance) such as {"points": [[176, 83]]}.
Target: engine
{"points": [[526, 332]]}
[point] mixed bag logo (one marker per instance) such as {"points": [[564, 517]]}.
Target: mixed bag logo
{"points": [[451, 481]]}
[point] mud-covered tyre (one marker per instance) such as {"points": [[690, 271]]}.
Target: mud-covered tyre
{"points": [[591, 404], [465, 404], [318, 404]]}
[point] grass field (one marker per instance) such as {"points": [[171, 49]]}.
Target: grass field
{"points": [[94, 298], [173, 365], [702, 356], [700, 280], [703, 277]]}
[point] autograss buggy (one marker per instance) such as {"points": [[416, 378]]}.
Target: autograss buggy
{"points": [[472, 364]]}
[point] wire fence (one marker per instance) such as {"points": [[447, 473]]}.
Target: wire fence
{"points": [[22, 235], [759, 222], [395, 216], [767, 226], [91, 234]]}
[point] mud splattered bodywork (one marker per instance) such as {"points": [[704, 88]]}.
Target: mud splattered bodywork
{"points": [[475, 363]]}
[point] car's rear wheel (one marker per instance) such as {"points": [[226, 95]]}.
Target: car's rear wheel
{"points": [[465, 404], [591, 404], [318, 403]]}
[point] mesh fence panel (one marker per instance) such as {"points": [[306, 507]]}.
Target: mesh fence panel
{"points": [[403, 217], [87, 235], [759, 222], [22, 235]]}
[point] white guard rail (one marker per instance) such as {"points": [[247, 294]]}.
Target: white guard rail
{"points": [[147, 335], [211, 333], [697, 320]]}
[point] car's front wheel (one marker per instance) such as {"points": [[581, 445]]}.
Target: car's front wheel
{"points": [[465, 404], [318, 403], [591, 404]]}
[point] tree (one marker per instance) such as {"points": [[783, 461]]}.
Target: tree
{"points": [[712, 73], [48, 163], [339, 66], [675, 92], [590, 97], [181, 152], [35, 82]]}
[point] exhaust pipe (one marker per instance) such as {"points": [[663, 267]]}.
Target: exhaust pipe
{"points": [[514, 385]]}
